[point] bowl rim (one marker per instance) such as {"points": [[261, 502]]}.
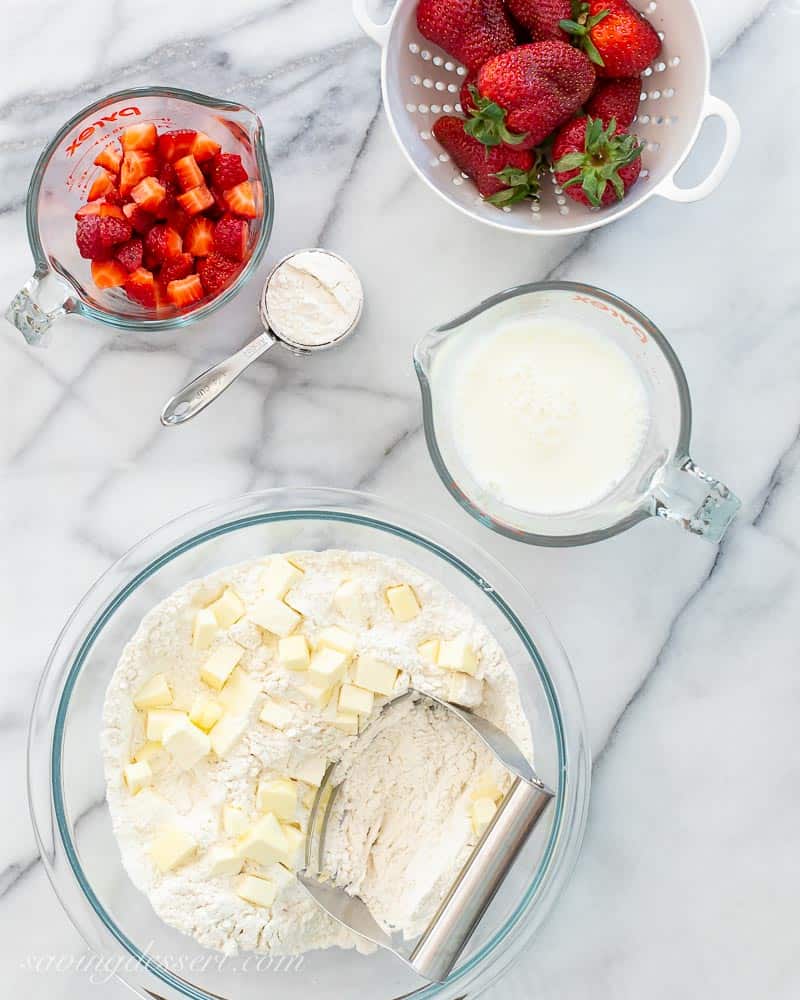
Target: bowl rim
{"points": [[45, 744]]}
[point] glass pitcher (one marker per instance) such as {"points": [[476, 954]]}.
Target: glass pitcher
{"points": [[665, 482], [61, 282]]}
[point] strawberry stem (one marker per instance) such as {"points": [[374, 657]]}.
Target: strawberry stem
{"points": [[580, 27], [521, 184], [604, 154], [487, 123]]}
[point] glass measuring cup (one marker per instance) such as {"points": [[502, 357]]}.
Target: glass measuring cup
{"points": [[61, 282], [664, 482]]}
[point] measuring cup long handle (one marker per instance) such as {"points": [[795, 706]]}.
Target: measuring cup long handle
{"points": [[204, 389]]}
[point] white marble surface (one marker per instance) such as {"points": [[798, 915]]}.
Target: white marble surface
{"points": [[687, 657]]}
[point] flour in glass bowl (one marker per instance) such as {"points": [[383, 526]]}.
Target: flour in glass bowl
{"points": [[411, 784]]}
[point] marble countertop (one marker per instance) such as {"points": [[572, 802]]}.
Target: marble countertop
{"points": [[686, 655]]}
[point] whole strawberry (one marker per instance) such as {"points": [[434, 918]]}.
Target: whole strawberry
{"points": [[596, 164], [472, 31], [542, 18], [617, 99], [504, 176], [467, 97], [615, 36], [526, 93]]}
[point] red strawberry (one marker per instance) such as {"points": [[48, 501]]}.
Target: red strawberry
{"points": [[108, 273], [110, 158], [162, 242], [504, 176], [528, 92], [230, 237], [136, 165], [149, 194], [204, 147], [177, 219], [595, 165], [542, 17], [617, 99], [216, 272], [90, 208], [101, 186], [472, 31], [615, 36], [241, 200], [196, 200], [226, 171], [184, 291], [199, 237], [140, 136], [141, 221], [130, 254], [179, 266], [467, 98], [114, 230], [141, 287], [175, 144], [188, 172], [97, 234]]}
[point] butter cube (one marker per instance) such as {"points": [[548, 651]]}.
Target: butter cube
{"points": [[265, 842], [347, 722], [293, 652], [483, 811], [256, 890], [187, 743], [137, 776], [159, 721], [486, 788], [149, 753], [205, 713], [280, 576], [327, 667], [219, 666], [224, 859], [429, 650], [296, 840], [337, 638], [155, 693], [275, 715], [465, 690], [348, 600], [228, 609], [234, 821], [278, 796], [374, 675], [171, 848], [317, 696], [403, 602], [227, 733], [273, 615], [457, 654], [240, 693], [312, 771], [205, 629], [355, 699]]}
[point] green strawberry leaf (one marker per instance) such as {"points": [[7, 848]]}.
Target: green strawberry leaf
{"points": [[487, 124]]}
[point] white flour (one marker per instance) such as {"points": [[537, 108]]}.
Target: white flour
{"points": [[408, 831]]}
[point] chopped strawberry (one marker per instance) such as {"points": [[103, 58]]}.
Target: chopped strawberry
{"points": [[101, 185], [184, 291], [241, 200], [149, 194], [110, 158], [136, 165], [173, 145], [216, 272], [199, 237], [113, 197], [140, 136], [179, 266], [90, 208], [96, 235], [230, 237], [114, 230], [141, 287], [162, 242], [108, 273], [141, 221], [204, 148], [178, 219], [196, 200], [130, 254], [111, 211], [188, 173], [227, 171]]}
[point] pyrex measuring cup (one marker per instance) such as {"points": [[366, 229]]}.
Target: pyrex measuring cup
{"points": [[61, 282], [664, 482]]}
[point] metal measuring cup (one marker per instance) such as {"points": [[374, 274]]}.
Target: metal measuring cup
{"points": [[203, 390]]}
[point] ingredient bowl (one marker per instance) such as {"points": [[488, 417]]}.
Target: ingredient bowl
{"points": [[420, 82], [67, 788]]}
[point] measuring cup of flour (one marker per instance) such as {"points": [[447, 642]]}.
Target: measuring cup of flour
{"points": [[312, 301]]}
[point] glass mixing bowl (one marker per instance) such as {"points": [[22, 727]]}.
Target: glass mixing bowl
{"points": [[67, 789]]}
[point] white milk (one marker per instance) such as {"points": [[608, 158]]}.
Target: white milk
{"points": [[548, 416]]}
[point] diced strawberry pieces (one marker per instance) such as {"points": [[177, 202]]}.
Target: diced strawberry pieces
{"points": [[204, 147], [188, 173], [90, 208], [216, 272], [241, 200], [141, 287], [176, 267], [227, 170], [199, 237], [184, 291], [114, 230], [111, 211], [196, 200], [140, 136], [177, 219], [141, 221], [130, 254], [162, 242], [110, 158], [108, 273], [89, 238], [149, 194], [136, 165], [231, 237], [101, 186], [175, 144]]}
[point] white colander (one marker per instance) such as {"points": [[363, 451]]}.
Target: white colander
{"points": [[421, 82]]}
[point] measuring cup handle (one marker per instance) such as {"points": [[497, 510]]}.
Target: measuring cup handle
{"points": [[695, 501], [30, 317], [211, 383]]}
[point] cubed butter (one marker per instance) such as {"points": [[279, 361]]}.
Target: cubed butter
{"points": [[256, 890], [265, 842], [159, 721], [273, 615], [205, 712], [317, 696], [155, 693], [149, 753], [280, 576], [465, 690], [429, 650], [349, 601], [327, 667], [240, 693], [457, 654], [296, 840], [483, 811], [355, 699], [137, 776], [275, 714], [228, 609], [277, 796], [234, 821], [293, 652], [205, 629], [227, 733], [337, 638], [171, 848], [312, 771], [347, 722], [187, 743], [403, 602], [374, 675], [486, 788], [224, 859], [220, 665]]}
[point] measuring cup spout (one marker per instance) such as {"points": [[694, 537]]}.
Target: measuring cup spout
{"points": [[28, 313], [695, 501]]}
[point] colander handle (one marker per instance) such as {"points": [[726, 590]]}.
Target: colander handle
{"points": [[377, 32], [713, 108]]}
